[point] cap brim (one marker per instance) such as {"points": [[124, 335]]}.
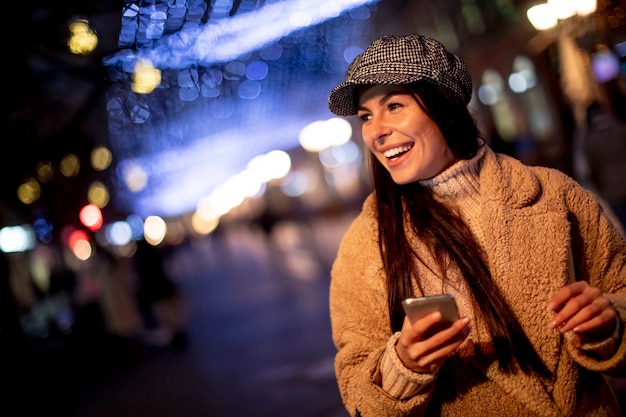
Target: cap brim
{"points": [[341, 100]]}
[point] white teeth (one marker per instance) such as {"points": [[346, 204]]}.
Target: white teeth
{"points": [[395, 151]]}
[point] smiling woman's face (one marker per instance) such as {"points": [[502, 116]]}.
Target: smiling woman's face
{"points": [[401, 136]]}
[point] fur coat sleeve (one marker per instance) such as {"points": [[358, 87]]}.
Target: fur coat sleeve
{"points": [[542, 230]]}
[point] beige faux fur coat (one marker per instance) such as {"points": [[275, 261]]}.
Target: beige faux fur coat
{"points": [[541, 230]]}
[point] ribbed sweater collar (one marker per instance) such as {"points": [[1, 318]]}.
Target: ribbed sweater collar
{"points": [[459, 180]]}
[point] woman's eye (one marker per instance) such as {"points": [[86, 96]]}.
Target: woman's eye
{"points": [[393, 106], [364, 117]]}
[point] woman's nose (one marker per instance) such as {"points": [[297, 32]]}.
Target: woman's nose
{"points": [[378, 130]]}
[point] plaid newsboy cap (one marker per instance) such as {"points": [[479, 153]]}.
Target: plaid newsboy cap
{"points": [[395, 59]]}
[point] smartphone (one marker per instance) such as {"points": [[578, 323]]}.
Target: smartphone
{"points": [[418, 307]]}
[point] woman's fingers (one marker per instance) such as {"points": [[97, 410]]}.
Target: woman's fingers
{"points": [[565, 293], [601, 324], [569, 300], [581, 308], [423, 350]]}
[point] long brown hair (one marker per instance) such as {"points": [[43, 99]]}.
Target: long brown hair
{"points": [[446, 235]]}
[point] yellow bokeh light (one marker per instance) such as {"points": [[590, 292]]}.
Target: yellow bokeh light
{"points": [[29, 191], [98, 194], [45, 171], [83, 39], [145, 77], [101, 158], [203, 226], [134, 176], [70, 165]]}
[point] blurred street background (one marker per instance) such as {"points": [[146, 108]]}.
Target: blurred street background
{"points": [[174, 188]]}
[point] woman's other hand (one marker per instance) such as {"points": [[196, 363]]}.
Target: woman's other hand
{"points": [[583, 309]]}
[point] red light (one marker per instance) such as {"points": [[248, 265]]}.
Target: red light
{"points": [[75, 237], [91, 217]]}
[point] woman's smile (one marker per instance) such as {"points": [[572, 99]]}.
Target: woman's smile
{"points": [[395, 153]]}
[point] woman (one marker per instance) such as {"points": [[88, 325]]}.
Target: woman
{"points": [[536, 268]]}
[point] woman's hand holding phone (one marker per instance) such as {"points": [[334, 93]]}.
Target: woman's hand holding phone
{"points": [[431, 332]]}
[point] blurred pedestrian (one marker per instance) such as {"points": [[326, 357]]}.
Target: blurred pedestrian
{"points": [[536, 267], [162, 304], [118, 292], [600, 157]]}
